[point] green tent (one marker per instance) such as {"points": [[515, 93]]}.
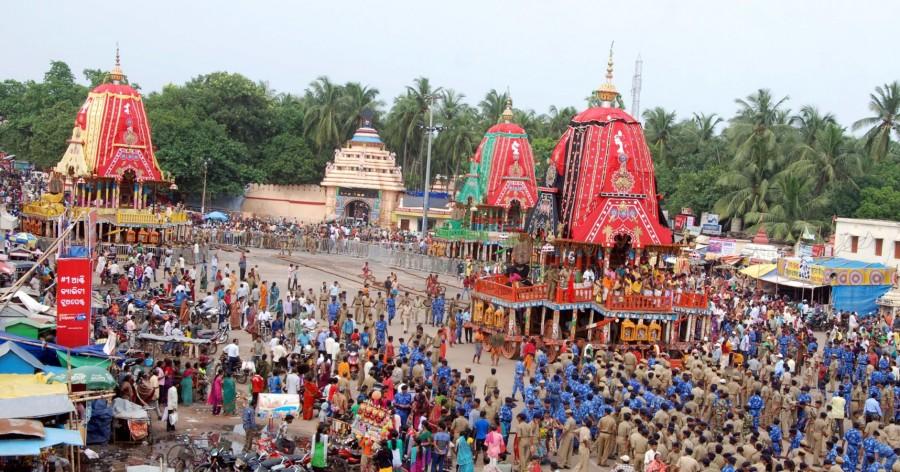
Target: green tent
{"points": [[94, 377], [81, 361]]}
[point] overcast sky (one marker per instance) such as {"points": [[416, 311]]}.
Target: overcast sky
{"points": [[698, 55]]}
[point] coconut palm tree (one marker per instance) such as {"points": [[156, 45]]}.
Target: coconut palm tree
{"points": [[756, 133], [356, 100], [705, 126], [559, 119], [659, 126], [324, 113], [810, 121], [404, 126], [492, 106], [885, 104], [793, 203], [461, 133], [831, 158]]}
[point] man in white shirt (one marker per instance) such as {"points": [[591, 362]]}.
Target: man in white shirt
{"points": [[278, 352], [292, 383], [234, 354]]}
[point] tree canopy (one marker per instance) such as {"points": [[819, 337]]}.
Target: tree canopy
{"points": [[766, 165]]}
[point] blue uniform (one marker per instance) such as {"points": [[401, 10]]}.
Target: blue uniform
{"points": [[391, 308], [403, 406], [519, 380], [381, 332], [755, 405], [437, 310], [775, 435], [505, 419], [854, 441]]}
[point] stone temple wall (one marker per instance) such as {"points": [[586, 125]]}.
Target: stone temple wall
{"points": [[306, 203]]}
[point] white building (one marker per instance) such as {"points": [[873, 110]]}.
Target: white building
{"points": [[868, 241]]}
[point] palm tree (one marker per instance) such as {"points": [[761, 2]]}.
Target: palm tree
{"points": [[461, 132], [809, 121], [755, 133], [659, 128], [403, 127], [559, 120], [492, 106], [885, 104], [705, 126], [358, 98], [831, 158], [324, 113], [794, 201]]}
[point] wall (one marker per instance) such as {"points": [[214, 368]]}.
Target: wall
{"points": [[867, 232], [306, 203]]}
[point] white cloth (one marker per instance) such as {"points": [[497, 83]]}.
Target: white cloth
{"points": [[292, 383], [232, 350]]}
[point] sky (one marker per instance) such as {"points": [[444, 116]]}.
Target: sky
{"points": [[698, 56]]}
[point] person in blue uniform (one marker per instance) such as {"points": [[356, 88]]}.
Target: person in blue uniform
{"points": [[776, 436], [380, 331], [854, 440], [506, 416], [391, 307], [519, 380], [755, 405]]}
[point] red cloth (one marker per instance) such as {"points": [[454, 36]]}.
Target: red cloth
{"points": [[257, 383], [123, 284], [310, 393]]}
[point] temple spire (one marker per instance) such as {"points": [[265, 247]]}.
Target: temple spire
{"points": [[507, 115], [116, 75], [607, 92]]}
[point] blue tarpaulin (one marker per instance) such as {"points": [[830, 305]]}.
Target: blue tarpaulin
{"points": [[99, 427], [32, 447], [46, 352], [858, 298]]}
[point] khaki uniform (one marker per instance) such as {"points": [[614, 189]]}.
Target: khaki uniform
{"points": [[607, 428], [564, 452]]}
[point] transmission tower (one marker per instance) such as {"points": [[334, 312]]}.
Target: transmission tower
{"points": [[636, 89]]}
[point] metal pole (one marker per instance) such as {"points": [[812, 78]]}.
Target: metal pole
{"points": [[203, 198], [428, 167]]}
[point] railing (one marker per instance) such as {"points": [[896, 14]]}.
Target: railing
{"points": [[638, 303], [497, 287], [146, 217], [579, 294], [461, 234], [691, 300]]}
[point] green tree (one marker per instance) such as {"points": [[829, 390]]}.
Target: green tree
{"points": [[879, 203], [659, 126], [792, 208], [756, 134], [810, 122], [492, 106], [885, 104]]}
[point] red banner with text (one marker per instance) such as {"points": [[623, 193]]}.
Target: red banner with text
{"points": [[73, 301]]}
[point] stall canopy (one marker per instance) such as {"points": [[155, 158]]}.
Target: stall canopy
{"points": [[47, 352], [774, 278], [758, 270], [33, 446], [15, 360], [30, 396]]}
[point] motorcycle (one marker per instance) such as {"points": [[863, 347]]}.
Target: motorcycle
{"points": [[218, 459]]}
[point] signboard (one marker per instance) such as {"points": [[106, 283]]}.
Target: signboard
{"points": [[711, 229], [683, 221], [73, 302], [278, 404], [709, 219], [724, 247]]}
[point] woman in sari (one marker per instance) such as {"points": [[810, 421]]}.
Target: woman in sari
{"points": [[187, 385], [229, 396], [234, 311], [203, 278], [464, 460], [215, 396], [310, 393]]}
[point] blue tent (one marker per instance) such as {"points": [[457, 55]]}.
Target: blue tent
{"points": [[858, 298], [215, 216], [46, 352]]}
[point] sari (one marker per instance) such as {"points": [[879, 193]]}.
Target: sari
{"points": [[215, 395], [464, 459], [187, 387], [235, 315], [229, 396], [310, 393]]}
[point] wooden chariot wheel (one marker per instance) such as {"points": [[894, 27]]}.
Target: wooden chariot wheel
{"points": [[510, 349]]}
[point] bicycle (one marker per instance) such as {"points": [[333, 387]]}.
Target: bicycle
{"points": [[190, 451]]}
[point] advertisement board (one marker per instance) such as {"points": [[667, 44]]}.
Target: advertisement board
{"points": [[73, 301]]}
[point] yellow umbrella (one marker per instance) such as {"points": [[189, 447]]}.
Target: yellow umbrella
{"points": [[758, 270]]}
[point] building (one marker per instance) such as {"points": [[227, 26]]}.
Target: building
{"points": [[109, 167], [876, 241], [363, 183], [408, 215]]}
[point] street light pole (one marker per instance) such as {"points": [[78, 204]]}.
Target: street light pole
{"points": [[203, 198], [430, 130]]}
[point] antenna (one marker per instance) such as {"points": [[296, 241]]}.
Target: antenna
{"points": [[636, 89]]}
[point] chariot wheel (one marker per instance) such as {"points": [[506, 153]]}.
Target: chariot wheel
{"points": [[510, 349], [552, 352]]}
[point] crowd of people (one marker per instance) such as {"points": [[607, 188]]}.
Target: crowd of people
{"points": [[762, 391]]}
